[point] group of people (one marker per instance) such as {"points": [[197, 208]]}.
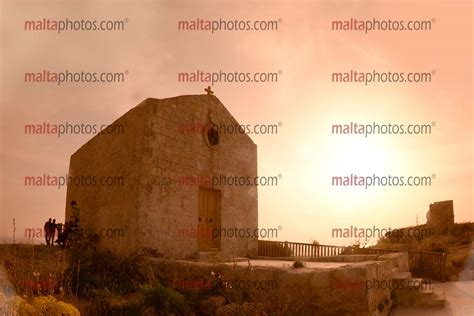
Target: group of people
{"points": [[65, 232], [50, 228]]}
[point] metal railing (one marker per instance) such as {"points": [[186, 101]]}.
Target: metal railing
{"points": [[268, 248]]}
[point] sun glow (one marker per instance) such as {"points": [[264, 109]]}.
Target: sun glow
{"points": [[358, 155]]}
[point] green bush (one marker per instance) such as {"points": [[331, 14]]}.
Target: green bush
{"points": [[164, 300], [108, 303], [90, 270], [298, 264], [44, 306]]}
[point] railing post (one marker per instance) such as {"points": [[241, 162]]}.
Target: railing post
{"points": [[443, 273]]}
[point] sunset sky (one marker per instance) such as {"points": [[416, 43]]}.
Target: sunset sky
{"points": [[306, 51]]}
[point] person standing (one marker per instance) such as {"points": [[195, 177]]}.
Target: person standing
{"points": [[60, 232], [46, 231], [65, 235], [52, 231]]}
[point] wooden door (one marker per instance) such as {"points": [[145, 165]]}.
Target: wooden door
{"points": [[209, 219]]}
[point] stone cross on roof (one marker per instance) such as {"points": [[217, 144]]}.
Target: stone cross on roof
{"points": [[209, 91]]}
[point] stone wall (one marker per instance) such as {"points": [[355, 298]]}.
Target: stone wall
{"points": [[303, 291], [169, 155], [399, 259], [110, 155]]}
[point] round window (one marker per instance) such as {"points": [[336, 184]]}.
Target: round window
{"points": [[211, 134]]}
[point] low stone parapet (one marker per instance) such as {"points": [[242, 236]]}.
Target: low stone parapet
{"points": [[285, 290]]}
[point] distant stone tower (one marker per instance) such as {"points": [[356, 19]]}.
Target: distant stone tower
{"points": [[440, 216]]}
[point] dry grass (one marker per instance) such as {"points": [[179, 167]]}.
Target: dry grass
{"points": [[459, 259], [456, 244], [34, 269]]}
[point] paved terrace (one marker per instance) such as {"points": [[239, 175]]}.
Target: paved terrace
{"points": [[288, 263]]}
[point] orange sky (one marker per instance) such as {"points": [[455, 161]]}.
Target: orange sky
{"points": [[307, 103]]}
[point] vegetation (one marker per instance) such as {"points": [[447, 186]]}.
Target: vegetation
{"points": [[165, 300], [456, 243], [427, 240], [315, 242], [44, 305], [120, 284], [46, 279], [298, 264], [90, 270]]}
